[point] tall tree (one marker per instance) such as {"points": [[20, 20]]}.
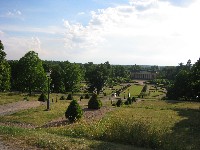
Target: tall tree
{"points": [[195, 79], [30, 74], [97, 75], [57, 84], [4, 70], [72, 76]]}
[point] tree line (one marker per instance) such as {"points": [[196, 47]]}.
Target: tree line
{"points": [[28, 74]]}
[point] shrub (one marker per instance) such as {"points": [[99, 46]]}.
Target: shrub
{"points": [[94, 102], [87, 96], [128, 101], [74, 111], [133, 99], [62, 98], [42, 97], [81, 97], [119, 103], [69, 97]]}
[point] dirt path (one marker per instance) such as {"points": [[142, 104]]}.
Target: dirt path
{"points": [[11, 108]]}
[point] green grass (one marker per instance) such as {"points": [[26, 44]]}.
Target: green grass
{"points": [[134, 90], [6, 98], [151, 124], [38, 116], [39, 138]]}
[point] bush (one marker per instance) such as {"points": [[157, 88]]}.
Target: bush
{"points": [[62, 98], [42, 97], [74, 111], [94, 102], [133, 99], [128, 101], [119, 103], [69, 97], [87, 96]]}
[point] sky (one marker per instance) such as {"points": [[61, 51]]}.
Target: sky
{"points": [[124, 32]]}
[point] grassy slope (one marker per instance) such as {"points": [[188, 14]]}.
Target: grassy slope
{"points": [[150, 123]]}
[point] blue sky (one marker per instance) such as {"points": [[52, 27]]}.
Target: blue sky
{"points": [[154, 32]]}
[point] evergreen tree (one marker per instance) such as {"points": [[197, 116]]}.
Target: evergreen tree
{"points": [[74, 111]]}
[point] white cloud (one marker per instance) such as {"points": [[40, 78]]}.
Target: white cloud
{"points": [[14, 13], [81, 13], [143, 32]]}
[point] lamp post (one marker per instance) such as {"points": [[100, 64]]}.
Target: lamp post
{"points": [[48, 101]]}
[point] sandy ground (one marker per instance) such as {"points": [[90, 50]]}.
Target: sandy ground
{"points": [[11, 108]]}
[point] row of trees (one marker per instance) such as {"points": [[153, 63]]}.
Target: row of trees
{"points": [[28, 74]]}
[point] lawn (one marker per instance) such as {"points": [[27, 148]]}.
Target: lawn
{"points": [[38, 116], [134, 90], [6, 98], [151, 124]]}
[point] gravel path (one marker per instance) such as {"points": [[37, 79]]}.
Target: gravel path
{"points": [[11, 108], [3, 146]]}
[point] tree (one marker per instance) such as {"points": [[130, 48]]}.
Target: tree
{"points": [[97, 76], [30, 74], [72, 76], [195, 80], [94, 102], [4, 70], [74, 111], [57, 84], [13, 66]]}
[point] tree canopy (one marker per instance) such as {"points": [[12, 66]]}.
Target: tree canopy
{"points": [[31, 75], [4, 70]]}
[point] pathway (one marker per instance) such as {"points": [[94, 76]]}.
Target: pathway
{"points": [[11, 108]]}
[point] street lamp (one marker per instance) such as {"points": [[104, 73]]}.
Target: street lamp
{"points": [[48, 101]]}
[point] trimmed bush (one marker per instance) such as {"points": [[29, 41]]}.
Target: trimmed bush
{"points": [[119, 103], [87, 96], [62, 98], [69, 97], [94, 102], [128, 101], [74, 111], [42, 97], [133, 99]]}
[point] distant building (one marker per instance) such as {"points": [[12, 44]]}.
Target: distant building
{"points": [[144, 75]]}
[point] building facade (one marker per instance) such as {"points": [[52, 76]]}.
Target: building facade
{"points": [[144, 75]]}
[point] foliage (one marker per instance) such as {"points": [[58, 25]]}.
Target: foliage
{"points": [[57, 79], [30, 74], [187, 83], [128, 101], [87, 96], [133, 99], [195, 80], [42, 97], [69, 97], [94, 102], [97, 75], [119, 102], [4, 70], [72, 75], [62, 97], [74, 111]]}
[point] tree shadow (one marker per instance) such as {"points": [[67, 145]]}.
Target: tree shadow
{"points": [[186, 133]]}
